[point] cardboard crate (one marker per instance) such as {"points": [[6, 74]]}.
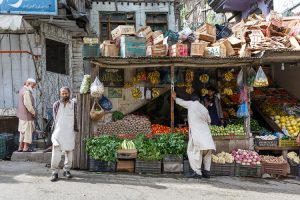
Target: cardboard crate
{"points": [[125, 165], [198, 48], [178, 50], [122, 30], [132, 46]]}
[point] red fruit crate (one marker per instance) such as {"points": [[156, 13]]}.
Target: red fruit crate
{"points": [[275, 169]]}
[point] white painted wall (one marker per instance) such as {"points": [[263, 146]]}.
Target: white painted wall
{"points": [[140, 12]]}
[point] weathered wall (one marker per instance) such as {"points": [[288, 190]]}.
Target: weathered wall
{"points": [[288, 78], [77, 64], [15, 69], [140, 10]]}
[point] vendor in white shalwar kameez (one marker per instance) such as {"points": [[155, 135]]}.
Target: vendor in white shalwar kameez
{"points": [[63, 137], [201, 144]]}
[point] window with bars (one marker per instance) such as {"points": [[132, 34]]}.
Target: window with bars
{"points": [[157, 21], [108, 21]]}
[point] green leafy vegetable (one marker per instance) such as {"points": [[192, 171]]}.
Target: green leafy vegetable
{"points": [[172, 144], [117, 116]]}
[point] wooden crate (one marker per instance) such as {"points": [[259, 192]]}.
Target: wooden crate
{"points": [[222, 169], [275, 169], [101, 166], [151, 167], [127, 154], [288, 143], [158, 40], [122, 30], [207, 29], [132, 47], [145, 31], [265, 143], [178, 50], [207, 37], [125, 165], [198, 48], [217, 51], [248, 171], [159, 50]]}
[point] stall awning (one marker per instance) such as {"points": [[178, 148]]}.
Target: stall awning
{"points": [[14, 23]]}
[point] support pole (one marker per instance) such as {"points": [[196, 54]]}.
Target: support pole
{"points": [[172, 100]]}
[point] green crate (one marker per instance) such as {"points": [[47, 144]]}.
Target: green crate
{"points": [[248, 171], [222, 169], [288, 143], [91, 51]]}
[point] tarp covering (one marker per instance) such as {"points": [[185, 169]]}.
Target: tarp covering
{"points": [[13, 23]]}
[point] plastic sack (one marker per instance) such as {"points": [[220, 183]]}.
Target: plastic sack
{"points": [[244, 94], [105, 103], [97, 88], [85, 85], [243, 111], [96, 112], [240, 78], [251, 74], [261, 79]]}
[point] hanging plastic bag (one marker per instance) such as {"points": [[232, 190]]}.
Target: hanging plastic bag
{"points": [[240, 78], [97, 88], [85, 85], [251, 76], [243, 111], [105, 103], [96, 112], [244, 94], [261, 79]]}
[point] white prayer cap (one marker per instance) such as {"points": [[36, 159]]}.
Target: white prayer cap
{"points": [[31, 80]]}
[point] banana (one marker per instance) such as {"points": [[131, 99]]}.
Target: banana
{"points": [[204, 78], [228, 76]]}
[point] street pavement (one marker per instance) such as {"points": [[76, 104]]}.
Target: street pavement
{"points": [[30, 181]]}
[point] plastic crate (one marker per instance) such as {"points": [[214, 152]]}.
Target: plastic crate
{"points": [[275, 169], [10, 144], [288, 143], [222, 169], [101, 166], [148, 167], [265, 143], [248, 171], [91, 51]]}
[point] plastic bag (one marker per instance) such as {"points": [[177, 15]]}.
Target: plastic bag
{"points": [[97, 88], [261, 79], [240, 78], [243, 111], [85, 85], [251, 77], [105, 103], [244, 94]]}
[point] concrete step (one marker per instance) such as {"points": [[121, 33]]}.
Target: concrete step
{"points": [[40, 144]]}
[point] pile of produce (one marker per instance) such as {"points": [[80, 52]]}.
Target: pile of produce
{"points": [[147, 149], [273, 159], [229, 130], [267, 137], [131, 124], [222, 158], [289, 123], [160, 129], [293, 157], [117, 116], [184, 130], [246, 157], [141, 76], [253, 124], [172, 144], [127, 145]]}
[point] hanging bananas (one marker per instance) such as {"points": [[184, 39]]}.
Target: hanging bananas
{"points": [[228, 91], [155, 93], [189, 90], [204, 92], [204, 78], [136, 93], [189, 76], [154, 77], [228, 76]]}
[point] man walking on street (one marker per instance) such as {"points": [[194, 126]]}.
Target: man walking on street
{"points": [[63, 137], [200, 143], [26, 115]]}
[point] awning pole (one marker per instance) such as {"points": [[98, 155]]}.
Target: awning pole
{"points": [[172, 100]]}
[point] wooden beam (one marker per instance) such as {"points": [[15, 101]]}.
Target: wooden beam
{"points": [[172, 100]]}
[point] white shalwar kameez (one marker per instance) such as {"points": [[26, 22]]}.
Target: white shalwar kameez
{"points": [[200, 143], [63, 137]]}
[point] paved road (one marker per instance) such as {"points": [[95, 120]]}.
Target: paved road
{"points": [[30, 181]]}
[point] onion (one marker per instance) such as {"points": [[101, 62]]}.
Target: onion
{"points": [[243, 163], [258, 163], [255, 157], [237, 156], [244, 153], [253, 163], [238, 162], [249, 161]]}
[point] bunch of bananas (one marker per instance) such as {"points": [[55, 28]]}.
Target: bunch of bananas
{"points": [[128, 85], [189, 90], [228, 91], [126, 145], [155, 93], [228, 76], [204, 78], [141, 76], [231, 112], [134, 80], [204, 92], [180, 84], [189, 76], [136, 93], [154, 77]]}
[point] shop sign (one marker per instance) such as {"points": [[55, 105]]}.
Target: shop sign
{"points": [[112, 77], [115, 93], [32, 7]]}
